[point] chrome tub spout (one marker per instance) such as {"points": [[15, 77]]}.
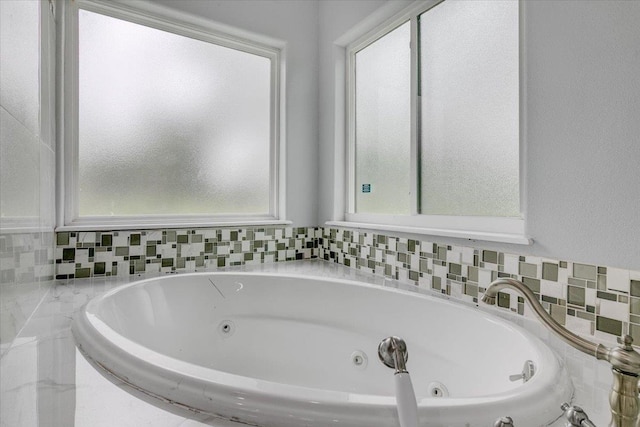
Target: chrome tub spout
{"points": [[624, 359]]}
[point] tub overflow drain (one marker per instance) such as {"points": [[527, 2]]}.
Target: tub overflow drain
{"points": [[226, 328]]}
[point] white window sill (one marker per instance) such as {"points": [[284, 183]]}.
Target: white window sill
{"points": [[151, 225], [514, 238]]}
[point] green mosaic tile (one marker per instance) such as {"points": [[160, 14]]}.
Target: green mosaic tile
{"points": [[82, 273], [455, 269], [139, 265], [602, 282], [562, 264], [584, 271], [151, 250], [167, 262], [533, 284], [442, 253], [472, 273], [550, 271], [504, 300], [221, 261], [471, 289], [413, 275], [610, 326], [183, 238], [602, 270], [436, 283], [607, 296], [134, 239], [180, 262], [62, 239], [577, 282], [576, 296], [490, 256], [171, 235], [635, 288], [634, 331], [586, 316], [68, 254], [122, 251], [550, 300], [99, 268], [424, 265], [634, 306], [559, 314], [634, 319], [529, 270]]}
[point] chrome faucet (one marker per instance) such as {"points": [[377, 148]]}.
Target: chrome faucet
{"points": [[624, 360]]}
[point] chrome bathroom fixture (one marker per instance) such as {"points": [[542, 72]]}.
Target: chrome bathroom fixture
{"points": [[503, 422], [576, 416], [625, 361], [393, 353], [528, 371]]}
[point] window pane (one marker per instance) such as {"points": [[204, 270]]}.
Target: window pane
{"points": [[383, 136], [169, 124], [469, 128]]}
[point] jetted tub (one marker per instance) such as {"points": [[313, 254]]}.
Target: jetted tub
{"points": [[290, 350]]}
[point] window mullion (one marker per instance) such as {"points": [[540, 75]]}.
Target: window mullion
{"points": [[415, 117]]}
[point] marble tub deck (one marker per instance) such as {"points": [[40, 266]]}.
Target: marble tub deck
{"points": [[45, 380]]}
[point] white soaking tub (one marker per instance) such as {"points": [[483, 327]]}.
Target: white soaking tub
{"points": [[290, 350]]}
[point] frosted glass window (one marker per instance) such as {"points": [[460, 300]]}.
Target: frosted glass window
{"points": [[170, 125], [19, 109], [469, 124], [383, 124]]}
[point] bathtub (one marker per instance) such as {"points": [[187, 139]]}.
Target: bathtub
{"points": [[292, 350]]}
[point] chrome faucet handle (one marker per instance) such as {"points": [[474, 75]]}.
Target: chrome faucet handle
{"points": [[528, 371], [576, 416], [392, 351], [625, 358]]}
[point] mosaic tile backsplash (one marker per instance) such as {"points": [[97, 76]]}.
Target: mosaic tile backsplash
{"points": [[88, 254], [588, 299]]}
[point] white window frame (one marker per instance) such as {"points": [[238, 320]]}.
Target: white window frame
{"points": [[158, 17], [498, 229]]}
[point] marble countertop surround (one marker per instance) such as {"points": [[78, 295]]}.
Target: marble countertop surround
{"points": [[46, 381]]}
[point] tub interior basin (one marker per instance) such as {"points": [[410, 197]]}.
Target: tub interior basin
{"points": [[287, 338]]}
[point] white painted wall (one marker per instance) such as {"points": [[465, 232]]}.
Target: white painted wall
{"points": [[296, 24], [582, 126]]}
